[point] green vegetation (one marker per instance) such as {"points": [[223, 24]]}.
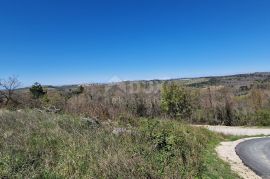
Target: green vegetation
{"points": [[216, 168], [226, 100], [126, 132], [176, 101], [262, 118], [258, 118], [37, 91], [43, 145]]}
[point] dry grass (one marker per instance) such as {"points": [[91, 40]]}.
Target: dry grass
{"points": [[41, 145]]}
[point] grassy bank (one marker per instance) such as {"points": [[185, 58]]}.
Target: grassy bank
{"points": [[41, 145]]}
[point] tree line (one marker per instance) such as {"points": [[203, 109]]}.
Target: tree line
{"points": [[211, 105]]}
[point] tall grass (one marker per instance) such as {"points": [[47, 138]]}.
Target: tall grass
{"points": [[41, 145]]}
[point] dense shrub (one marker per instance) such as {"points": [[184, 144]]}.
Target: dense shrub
{"points": [[262, 118], [176, 101], [215, 105], [259, 118], [37, 91], [97, 101], [174, 149], [41, 145]]}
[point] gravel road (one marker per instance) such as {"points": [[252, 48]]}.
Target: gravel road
{"points": [[255, 154], [238, 131]]}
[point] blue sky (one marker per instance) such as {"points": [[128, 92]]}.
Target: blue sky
{"points": [[64, 41]]}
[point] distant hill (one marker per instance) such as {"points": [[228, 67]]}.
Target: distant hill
{"points": [[234, 81]]}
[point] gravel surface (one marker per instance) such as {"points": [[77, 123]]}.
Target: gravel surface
{"points": [[239, 131], [226, 151]]}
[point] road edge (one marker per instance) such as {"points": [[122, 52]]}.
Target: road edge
{"points": [[226, 151]]}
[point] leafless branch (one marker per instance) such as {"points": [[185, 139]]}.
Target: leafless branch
{"points": [[8, 87]]}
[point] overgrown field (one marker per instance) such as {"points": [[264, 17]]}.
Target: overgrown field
{"points": [[239, 100], [42, 145]]}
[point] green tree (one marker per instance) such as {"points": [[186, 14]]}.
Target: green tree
{"points": [[176, 101], [37, 90]]}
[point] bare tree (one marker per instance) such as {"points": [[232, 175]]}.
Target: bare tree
{"points": [[7, 89]]}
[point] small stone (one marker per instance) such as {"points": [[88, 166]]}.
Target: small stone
{"points": [[119, 131]]}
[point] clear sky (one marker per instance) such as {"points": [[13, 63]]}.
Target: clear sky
{"points": [[77, 41]]}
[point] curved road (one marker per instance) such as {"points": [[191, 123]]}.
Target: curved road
{"points": [[255, 154]]}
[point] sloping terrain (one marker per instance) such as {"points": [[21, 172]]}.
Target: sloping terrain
{"points": [[43, 145]]}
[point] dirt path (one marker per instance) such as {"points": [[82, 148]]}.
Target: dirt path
{"points": [[239, 131]]}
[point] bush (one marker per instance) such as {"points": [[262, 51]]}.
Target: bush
{"points": [[37, 91], [41, 145], [262, 118], [176, 101], [174, 149], [259, 118]]}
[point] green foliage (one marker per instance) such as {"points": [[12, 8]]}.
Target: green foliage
{"points": [[176, 150], [215, 167], [176, 101], [41, 145], [259, 118], [37, 91], [262, 118]]}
